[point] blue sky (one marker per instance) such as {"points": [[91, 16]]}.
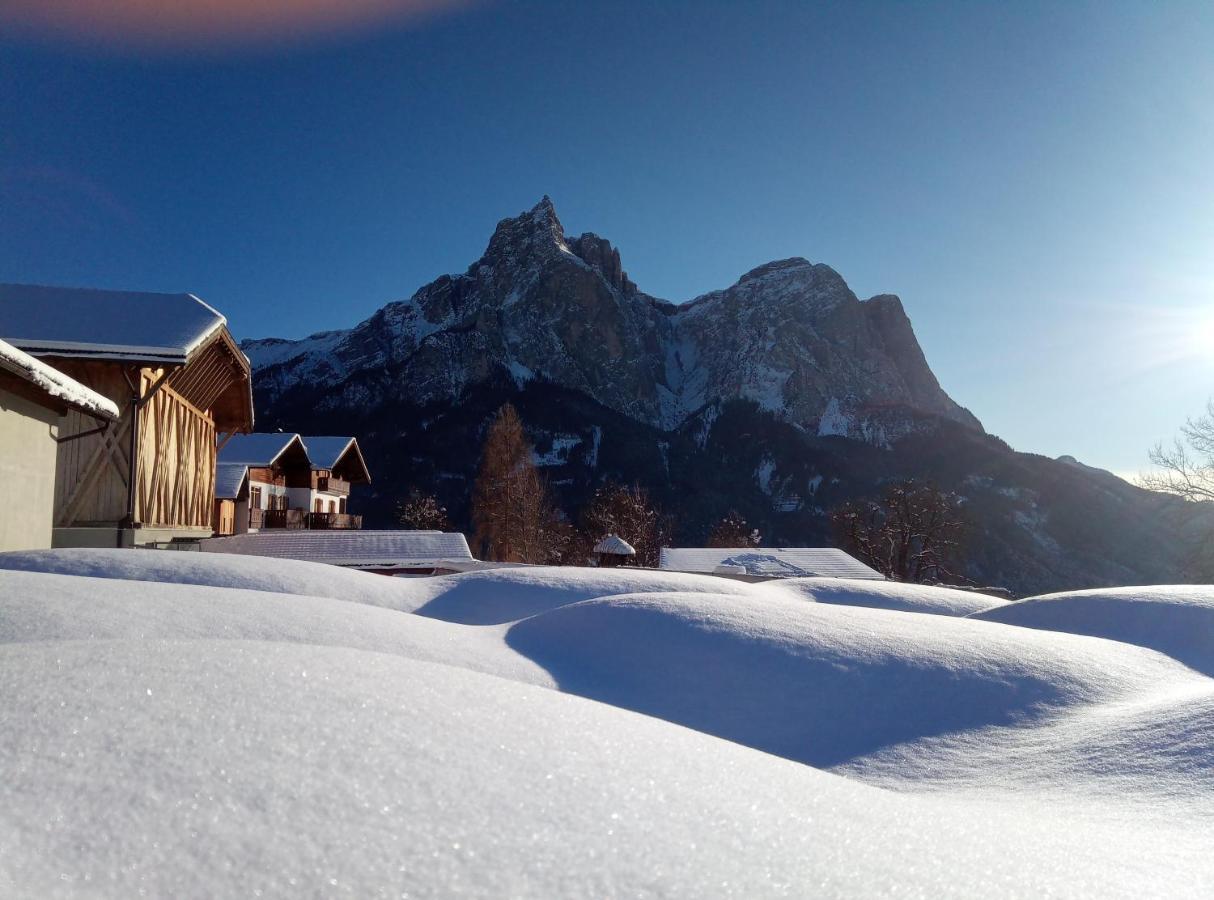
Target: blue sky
{"points": [[1034, 180]]}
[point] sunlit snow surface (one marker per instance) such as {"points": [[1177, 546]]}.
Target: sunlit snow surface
{"points": [[197, 725]]}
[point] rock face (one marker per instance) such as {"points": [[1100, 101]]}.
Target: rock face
{"points": [[778, 397], [790, 336]]}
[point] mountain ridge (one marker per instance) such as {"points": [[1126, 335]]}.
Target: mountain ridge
{"points": [[532, 279], [779, 396]]}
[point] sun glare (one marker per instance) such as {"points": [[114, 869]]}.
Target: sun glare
{"points": [[1173, 336]]}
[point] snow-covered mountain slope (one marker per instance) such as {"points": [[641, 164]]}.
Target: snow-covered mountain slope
{"points": [[173, 738], [779, 397], [791, 336]]}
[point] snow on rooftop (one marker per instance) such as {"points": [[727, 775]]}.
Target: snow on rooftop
{"points": [[259, 449], [324, 452], [615, 545], [54, 383], [228, 479], [368, 549], [105, 324], [772, 561]]}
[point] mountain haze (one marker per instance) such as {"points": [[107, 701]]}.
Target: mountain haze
{"points": [[780, 396]]}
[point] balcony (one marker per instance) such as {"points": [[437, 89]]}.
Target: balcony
{"points": [[333, 485], [284, 518], [334, 520], [301, 519]]}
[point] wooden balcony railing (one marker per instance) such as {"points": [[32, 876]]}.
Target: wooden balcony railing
{"points": [[334, 520], [299, 519], [332, 484], [285, 518]]}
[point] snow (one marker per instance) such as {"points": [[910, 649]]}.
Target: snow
{"points": [[324, 452], [834, 421], [260, 449], [507, 595], [614, 544], [368, 549], [279, 727], [1177, 620], [558, 453], [55, 383], [773, 561], [105, 324], [228, 479], [889, 595]]}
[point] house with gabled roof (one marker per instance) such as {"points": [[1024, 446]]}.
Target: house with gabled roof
{"points": [[284, 480], [33, 398], [171, 367]]}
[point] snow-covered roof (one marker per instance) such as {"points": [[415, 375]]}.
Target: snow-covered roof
{"points": [[228, 479], [774, 561], [615, 545], [258, 449], [54, 383], [361, 549], [326, 452], [84, 322]]}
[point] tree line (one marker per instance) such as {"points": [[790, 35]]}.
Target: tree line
{"points": [[913, 532]]}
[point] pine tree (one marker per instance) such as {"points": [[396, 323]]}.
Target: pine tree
{"points": [[512, 515]]}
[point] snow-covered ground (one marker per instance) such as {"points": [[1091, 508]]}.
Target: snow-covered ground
{"points": [[190, 724]]}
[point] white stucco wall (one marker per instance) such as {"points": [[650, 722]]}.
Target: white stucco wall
{"points": [[27, 473]]}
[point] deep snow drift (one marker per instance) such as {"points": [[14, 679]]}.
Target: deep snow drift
{"points": [[1177, 620], [180, 723]]}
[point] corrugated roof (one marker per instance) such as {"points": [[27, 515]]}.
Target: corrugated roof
{"points": [[84, 322], [615, 545], [64, 390], [777, 561], [363, 549], [228, 479], [258, 449]]}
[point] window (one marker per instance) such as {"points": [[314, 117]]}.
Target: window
{"points": [[341, 505], [255, 498], [318, 505]]}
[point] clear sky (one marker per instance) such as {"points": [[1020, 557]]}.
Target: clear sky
{"points": [[1036, 181]]}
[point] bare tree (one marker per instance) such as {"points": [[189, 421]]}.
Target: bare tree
{"points": [[513, 517], [733, 531], [912, 533], [628, 512], [422, 512], [1186, 468]]}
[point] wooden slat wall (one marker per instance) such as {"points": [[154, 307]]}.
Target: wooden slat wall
{"points": [[176, 462], [92, 473]]}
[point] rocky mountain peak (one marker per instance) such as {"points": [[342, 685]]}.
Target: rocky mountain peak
{"points": [[777, 267], [598, 253], [535, 232], [790, 336]]}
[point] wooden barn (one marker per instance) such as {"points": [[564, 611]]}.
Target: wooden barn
{"points": [[180, 382]]}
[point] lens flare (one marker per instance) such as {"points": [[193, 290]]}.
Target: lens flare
{"points": [[151, 24]]}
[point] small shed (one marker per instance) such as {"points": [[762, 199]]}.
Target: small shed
{"points": [[33, 398], [613, 551]]}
